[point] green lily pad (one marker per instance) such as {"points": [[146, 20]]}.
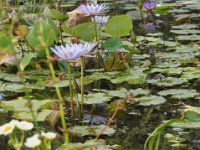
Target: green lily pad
{"points": [[134, 76], [91, 130], [179, 93], [96, 98], [89, 144], [20, 105], [10, 77], [112, 44], [150, 100], [40, 116], [121, 93], [168, 81]]}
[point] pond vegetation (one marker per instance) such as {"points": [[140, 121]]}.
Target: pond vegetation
{"points": [[99, 75]]}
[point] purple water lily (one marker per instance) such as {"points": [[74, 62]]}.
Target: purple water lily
{"points": [[100, 20], [70, 52], [149, 5], [93, 9], [149, 26]]}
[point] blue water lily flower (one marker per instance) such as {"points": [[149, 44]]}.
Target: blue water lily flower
{"points": [[100, 20], [93, 9], [70, 52], [149, 5]]}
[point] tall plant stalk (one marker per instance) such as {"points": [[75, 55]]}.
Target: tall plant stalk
{"points": [[82, 85], [70, 89], [61, 101]]}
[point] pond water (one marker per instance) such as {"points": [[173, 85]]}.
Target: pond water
{"points": [[162, 79]]}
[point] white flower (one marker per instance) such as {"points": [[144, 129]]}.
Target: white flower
{"points": [[70, 52], [33, 141], [7, 129], [93, 9], [14, 122], [49, 135], [24, 125], [100, 20]]}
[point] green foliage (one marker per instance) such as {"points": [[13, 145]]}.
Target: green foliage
{"points": [[152, 142], [93, 130], [6, 44], [162, 9], [26, 60], [112, 44], [42, 35], [54, 14], [20, 105], [119, 26], [85, 31], [96, 98]]}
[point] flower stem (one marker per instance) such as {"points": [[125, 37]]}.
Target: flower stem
{"points": [[70, 89], [82, 86], [95, 28], [61, 101]]}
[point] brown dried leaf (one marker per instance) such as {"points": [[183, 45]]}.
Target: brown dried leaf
{"points": [[10, 59], [76, 16], [53, 117]]}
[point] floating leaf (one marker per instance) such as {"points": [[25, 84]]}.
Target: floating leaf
{"points": [[134, 76], [119, 26], [168, 81], [85, 31], [91, 130], [96, 98], [41, 116], [150, 100], [179, 93], [20, 105], [112, 44]]}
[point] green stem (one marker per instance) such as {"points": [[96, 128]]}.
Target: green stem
{"points": [[7, 5], [34, 118], [22, 138], [1, 4], [70, 89], [29, 104], [95, 28], [82, 86], [61, 101]]}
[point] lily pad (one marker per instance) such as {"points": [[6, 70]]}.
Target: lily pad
{"points": [[96, 98], [150, 100], [168, 81], [91, 130], [41, 116], [179, 93], [20, 105], [134, 76]]}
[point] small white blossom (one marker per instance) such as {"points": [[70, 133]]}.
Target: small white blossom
{"points": [[7, 129], [93, 9], [49, 135], [70, 52], [24, 125], [14, 122], [33, 141]]}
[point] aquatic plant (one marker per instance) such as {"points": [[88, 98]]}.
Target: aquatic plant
{"points": [[149, 5], [100, 21], [93, 9], [70, 52]]}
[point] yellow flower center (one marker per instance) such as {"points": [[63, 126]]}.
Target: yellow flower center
{"points": [[7, 128]]}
